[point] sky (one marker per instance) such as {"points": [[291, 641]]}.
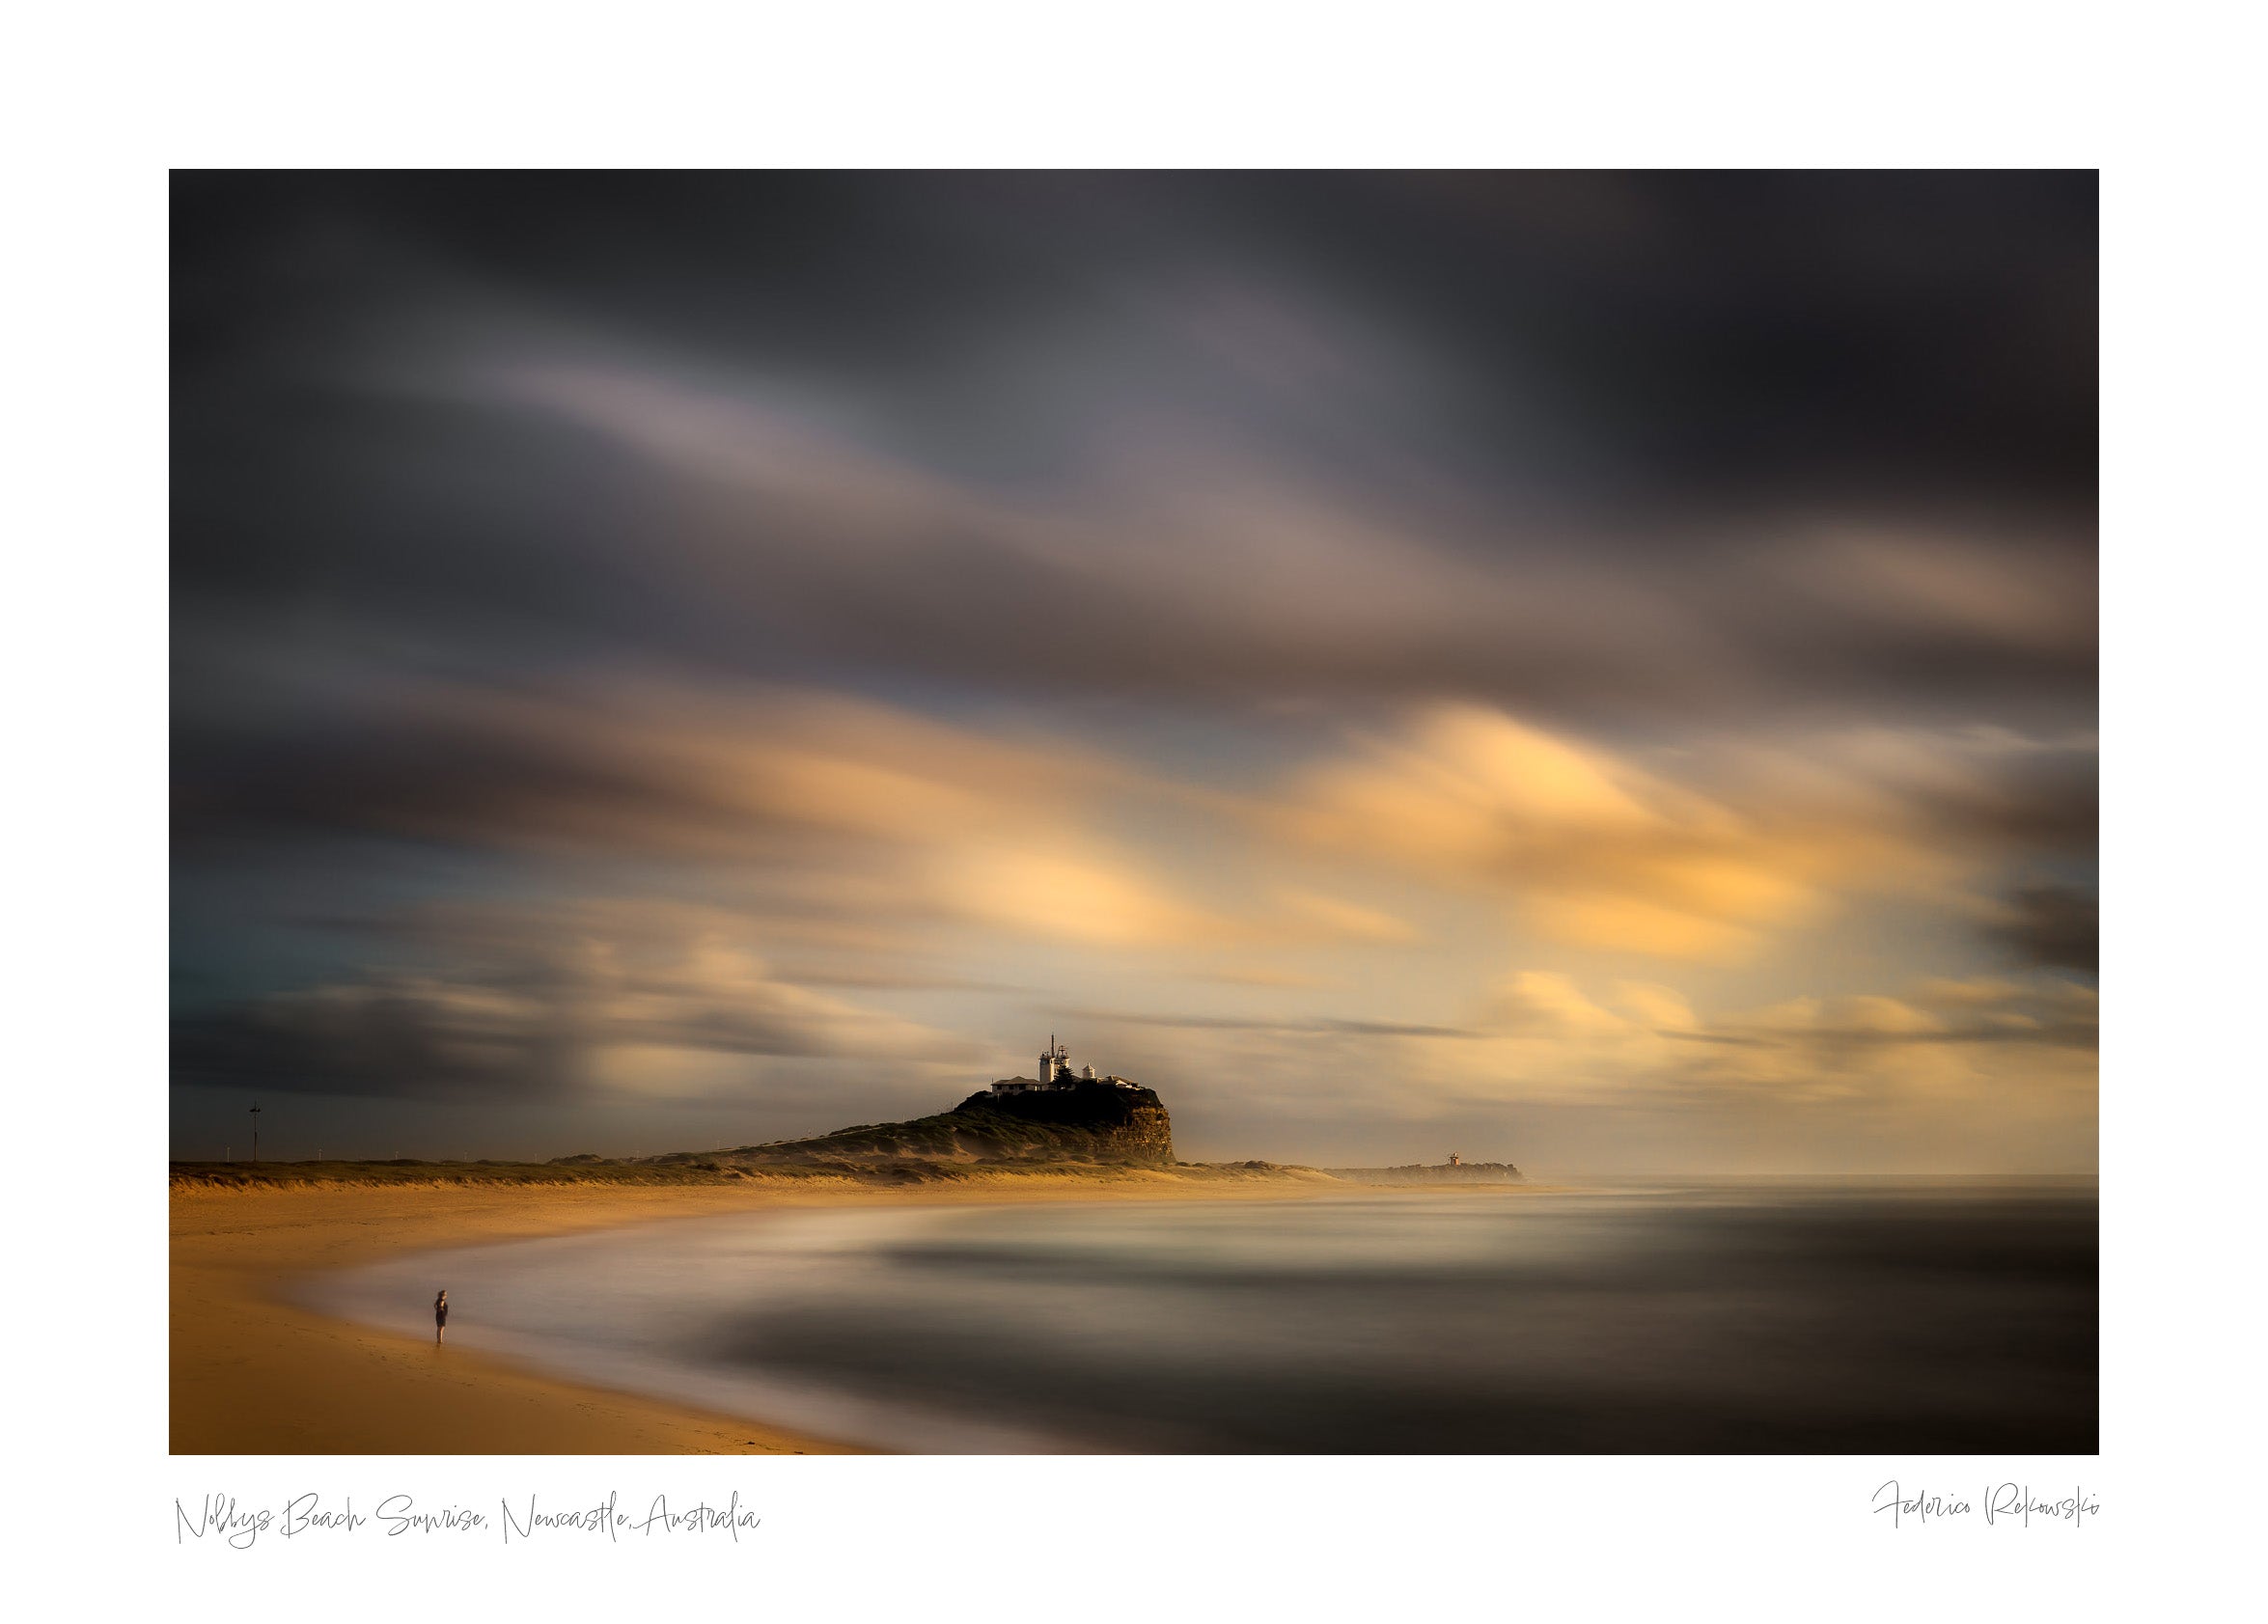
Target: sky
{"points": [[1592, 670]]}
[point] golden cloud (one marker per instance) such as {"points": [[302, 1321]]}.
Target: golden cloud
{"points": [[1596, 850]]}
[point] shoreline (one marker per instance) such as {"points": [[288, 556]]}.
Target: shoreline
{"points": [[252, 1372]]}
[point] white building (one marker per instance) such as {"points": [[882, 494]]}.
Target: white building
{"points": [[1055, 1073]]}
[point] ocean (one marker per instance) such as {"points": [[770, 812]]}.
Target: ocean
{"points": [[1666, 1316]]}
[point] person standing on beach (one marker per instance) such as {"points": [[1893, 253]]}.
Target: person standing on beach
{"points": [[440, 1317]]}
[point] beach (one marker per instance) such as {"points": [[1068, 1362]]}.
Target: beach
{"points": [[1146, 1311], [253, 1373]]}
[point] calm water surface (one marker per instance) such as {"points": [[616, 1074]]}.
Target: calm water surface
{"points": [[1676, 1318]]}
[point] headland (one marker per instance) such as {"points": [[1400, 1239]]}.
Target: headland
{"points": [[253, 1372]]}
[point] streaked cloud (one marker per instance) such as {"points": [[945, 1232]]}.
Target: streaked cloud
{"points": [[772, 639], [551, 1003], [1597, 850], [2051, 925]]}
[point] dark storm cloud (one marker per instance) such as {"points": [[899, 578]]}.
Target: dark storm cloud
{"points": [[2053, 925], [1701, 332], [1569, 443]]}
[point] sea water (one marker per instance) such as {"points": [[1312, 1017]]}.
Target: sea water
{"points": [[1672, 1317]]}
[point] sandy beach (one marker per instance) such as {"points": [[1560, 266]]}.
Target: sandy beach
{"points": [[253, 1374]]}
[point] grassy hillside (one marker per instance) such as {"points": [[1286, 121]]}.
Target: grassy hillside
{"points": [[1109, 1125]]}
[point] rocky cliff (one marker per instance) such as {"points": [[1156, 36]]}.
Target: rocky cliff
{"points": [[1116, 1124]]}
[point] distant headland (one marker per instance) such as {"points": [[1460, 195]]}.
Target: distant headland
{"points": [[1456, 1170]]}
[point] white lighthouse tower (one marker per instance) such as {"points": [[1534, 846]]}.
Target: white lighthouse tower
{"points": [[1054, 1064]]}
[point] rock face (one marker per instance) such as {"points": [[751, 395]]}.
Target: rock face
{"points": [[1089, 1123], [1112, 1123]]}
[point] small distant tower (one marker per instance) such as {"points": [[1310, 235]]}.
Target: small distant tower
{"points": [[1055, 1064], [1085, 1074], [1452, 1159]]}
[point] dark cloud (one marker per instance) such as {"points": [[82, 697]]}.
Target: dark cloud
{"points": [[1577, 433], [2053, 925], [2045, 800], [541, 1004], [379, 1041], [1691, 333]]}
